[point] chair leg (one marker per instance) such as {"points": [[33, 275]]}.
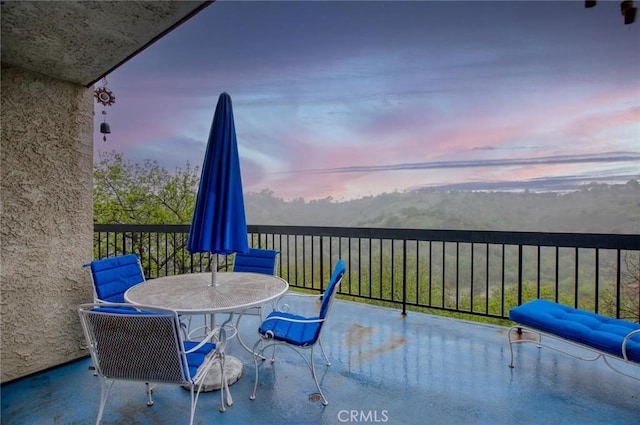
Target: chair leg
{"points": [[225, 384], [255, 364], [149, 393], [326, 359], [315, 378], [104, 393], [194, 401], [310, 365]]}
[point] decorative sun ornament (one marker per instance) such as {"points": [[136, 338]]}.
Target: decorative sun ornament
{"points": [[105, 97]]}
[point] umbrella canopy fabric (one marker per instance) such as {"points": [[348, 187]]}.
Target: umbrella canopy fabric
{"points": [[219, 224]]}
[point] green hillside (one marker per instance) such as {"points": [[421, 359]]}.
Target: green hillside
{"points": [[596, 208]]}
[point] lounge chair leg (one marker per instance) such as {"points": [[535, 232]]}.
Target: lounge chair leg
{"points": [[511, 345]]}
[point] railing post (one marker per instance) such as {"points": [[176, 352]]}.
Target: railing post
{"points": [[404, 277], [322, 260], [519, 274]]}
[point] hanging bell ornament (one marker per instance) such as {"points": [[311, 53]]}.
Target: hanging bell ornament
{"points": [[105, 97], [628, 11], [104, 127]]}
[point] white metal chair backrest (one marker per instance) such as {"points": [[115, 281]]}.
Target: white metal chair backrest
{"points": [[135, 345]]}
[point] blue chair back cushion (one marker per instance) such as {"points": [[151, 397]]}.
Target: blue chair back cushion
{"points": [[300, 334], [113, 276], [256, 261], [338, 272], [600, 332]]}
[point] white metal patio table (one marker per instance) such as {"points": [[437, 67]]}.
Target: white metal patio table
{"points": [[193, 294]]}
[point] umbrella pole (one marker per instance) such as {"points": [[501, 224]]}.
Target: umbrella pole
{"points": [[214, 269]]}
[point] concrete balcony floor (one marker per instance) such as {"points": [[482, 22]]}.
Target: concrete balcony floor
{"points": [[420, 369]]}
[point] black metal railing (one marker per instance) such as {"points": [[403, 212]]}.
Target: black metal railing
{"points": [[481, 273]]}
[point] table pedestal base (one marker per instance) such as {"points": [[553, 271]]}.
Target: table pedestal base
{"points": [[233, 369]]}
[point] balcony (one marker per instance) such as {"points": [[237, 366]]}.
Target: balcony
{"points": [[392, 361], [386, 368]]}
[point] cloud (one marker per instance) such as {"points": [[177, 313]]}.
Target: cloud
{"points": [[608, 157], [345, 98], [556, 184]]}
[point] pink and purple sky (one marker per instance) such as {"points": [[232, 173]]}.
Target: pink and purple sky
{"points": [[350, 99]]}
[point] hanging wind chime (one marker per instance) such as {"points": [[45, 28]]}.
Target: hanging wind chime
{"points": [[105, 97], [626, 8]]}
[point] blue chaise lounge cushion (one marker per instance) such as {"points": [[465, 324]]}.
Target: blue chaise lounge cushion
{"points": [[600, 332]]}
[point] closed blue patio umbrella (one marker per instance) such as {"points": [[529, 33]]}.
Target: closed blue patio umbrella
{"points": [[219, 224]]}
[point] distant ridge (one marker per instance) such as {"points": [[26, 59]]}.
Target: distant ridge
{"points": [[594, 208]]}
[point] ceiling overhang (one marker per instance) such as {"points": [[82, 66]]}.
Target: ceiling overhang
{"points": [[83, 41]]}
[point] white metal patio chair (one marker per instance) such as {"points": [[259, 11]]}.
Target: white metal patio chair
{"points": [[282, 328], [145, 344], [256, 260], [111, 277]]}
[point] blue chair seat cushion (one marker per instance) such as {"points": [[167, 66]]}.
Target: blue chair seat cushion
{"points": [[195, 359], [280, 326], [603, 333]]}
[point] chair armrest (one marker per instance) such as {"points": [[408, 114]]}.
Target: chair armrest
{"points": [[279, 306], [219, 335], [626, 340], [300, 295]]}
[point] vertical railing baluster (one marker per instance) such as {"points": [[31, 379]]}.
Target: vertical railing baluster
{"points": [[443, 271], [596, 306], [576, 277], [538, 274], [458, 277], [486, 279], [404, 277], [472, 277], [519, 274], [557, 289], [503, 281], [618, 283], [359, 260], [321, 247], [417, 272]]}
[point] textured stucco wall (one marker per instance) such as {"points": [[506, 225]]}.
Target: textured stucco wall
{"points": [[46, 162]]}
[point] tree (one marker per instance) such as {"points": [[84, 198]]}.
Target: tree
{"points": [[128, 193]]}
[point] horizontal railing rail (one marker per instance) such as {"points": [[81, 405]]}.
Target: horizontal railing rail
{"points": [[481, 273]]}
